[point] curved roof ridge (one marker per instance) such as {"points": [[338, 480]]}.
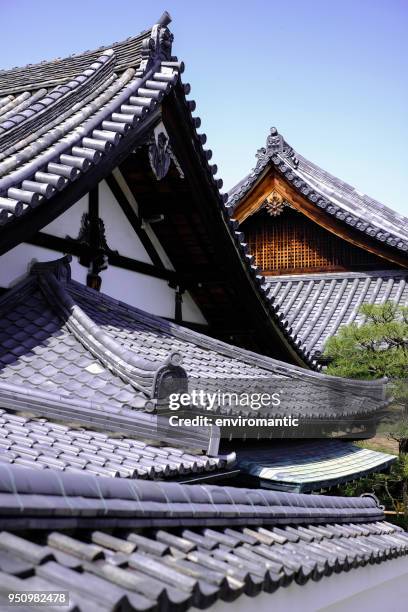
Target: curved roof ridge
{"points": [[55, 102], [268, 363], [143, 374], [129, 53], [62, 151], [157, 497]]}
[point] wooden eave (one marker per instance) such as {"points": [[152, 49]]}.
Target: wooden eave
{"points": [[200, 245]]}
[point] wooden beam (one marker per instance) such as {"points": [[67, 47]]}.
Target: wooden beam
{"points": [[134, 220], [73, 247], [93, 212]]}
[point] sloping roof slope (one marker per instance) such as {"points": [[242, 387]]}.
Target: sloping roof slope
{"points": [[77, 119], [50, 137], [76, 349], [317, 305], [177, 546], [311, 466]]}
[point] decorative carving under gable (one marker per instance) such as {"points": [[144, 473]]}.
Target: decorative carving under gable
{"points": [[275, 204], [275, 144], [158, 45], [98, 240], [95, 252], [159, 154]]}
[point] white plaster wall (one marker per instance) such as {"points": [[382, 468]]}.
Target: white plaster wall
{"points": [[374, 588], [140, 290], [145, 292], [15, 264], [147, 228], [191, 311], [69, 222], [120, 234]]}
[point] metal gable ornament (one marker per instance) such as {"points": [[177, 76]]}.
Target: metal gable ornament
{"points": [[96, 250], [275, 204]]}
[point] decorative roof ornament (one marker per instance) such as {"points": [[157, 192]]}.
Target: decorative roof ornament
{"points": [[275, 204], [92, 236], [158, 44], [275, 144], [60, 268], [159, 155]]}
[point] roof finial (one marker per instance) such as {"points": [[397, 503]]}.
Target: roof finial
{"points": [[275, 144], [165, 19], [157, 46], [59, 267]]}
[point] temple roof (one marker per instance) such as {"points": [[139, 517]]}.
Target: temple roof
{"points": [[317, 305], [325, 191], [77, 349], [83, 378], [78, 118], [177, 546], [16, 84], [75, 112], [40, 443]]}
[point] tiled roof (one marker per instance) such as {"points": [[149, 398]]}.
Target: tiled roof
{"points": [[69, 351], [317, 305], [57, 142], [49, 138], [16, 84], [49, 343], [305, 466], [193, 544], [26, 493], [40, 443], [189, 568], [327, 192]]}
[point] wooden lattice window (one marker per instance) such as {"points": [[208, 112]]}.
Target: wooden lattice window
{"points": [[292, 243]]}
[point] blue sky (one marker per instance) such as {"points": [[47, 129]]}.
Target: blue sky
{"points": [[330, 75]]}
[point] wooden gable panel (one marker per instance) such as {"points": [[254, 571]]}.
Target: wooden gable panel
{"points": [[359, 250], [291, 243]]}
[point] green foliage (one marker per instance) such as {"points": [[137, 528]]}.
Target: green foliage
{"points": [[389, 488], [377, 348]]}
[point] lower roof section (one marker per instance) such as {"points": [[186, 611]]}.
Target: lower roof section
{"points": [[151, 546], [167, 571], [70, 353], [317, 305], [311, 465], [41, 443], [30, 499]]}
